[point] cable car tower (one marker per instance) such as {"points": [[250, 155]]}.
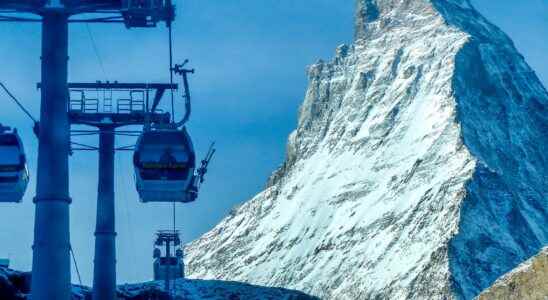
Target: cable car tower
{"points": [[106, 107], [51, 256]]}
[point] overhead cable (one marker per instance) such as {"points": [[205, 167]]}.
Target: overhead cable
{"points": [[76, 265], [170, 29], [18, 103], [96, 50]]}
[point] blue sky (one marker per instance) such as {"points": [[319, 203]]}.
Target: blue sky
{"points": [[250, 58]]}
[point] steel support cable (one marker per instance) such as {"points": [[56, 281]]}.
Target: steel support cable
{"points": [[128, 134], [82, 134], [124, 148], [121, 188], [18, 103], [170, 32], [174, 205], [96, 50], [84, 146], [75, 265]]}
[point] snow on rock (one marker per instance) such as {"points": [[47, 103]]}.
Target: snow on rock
{"points": [[418, 169], [15, 285], [214, 290], [529, 281]]}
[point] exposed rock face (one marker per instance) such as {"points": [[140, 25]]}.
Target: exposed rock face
{"points": [[529, 281], [418, 168]]}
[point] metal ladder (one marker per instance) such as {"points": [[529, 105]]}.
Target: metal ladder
{"points": [[107, 101]]}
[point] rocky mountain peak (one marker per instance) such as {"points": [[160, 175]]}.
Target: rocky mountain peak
{"points": [[377, 16], [417, 169]]}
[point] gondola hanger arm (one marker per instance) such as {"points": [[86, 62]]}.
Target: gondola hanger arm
{"points": [[180, 70]]}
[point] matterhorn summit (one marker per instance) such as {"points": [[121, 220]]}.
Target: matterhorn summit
{"points": [[418, 170]]}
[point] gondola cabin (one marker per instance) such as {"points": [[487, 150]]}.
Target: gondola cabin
{"points": [[164, 162], [166, 265], [14, 176], [170, 268]]}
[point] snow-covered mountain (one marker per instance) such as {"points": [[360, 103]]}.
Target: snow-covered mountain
{"points": [[418, 170]]}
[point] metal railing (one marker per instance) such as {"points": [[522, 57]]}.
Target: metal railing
{"points": [[104, 101]]}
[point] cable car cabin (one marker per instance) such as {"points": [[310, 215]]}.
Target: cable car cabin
{"points": [[164, 162], [14, 176], [146, 13], [168, 268]]}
